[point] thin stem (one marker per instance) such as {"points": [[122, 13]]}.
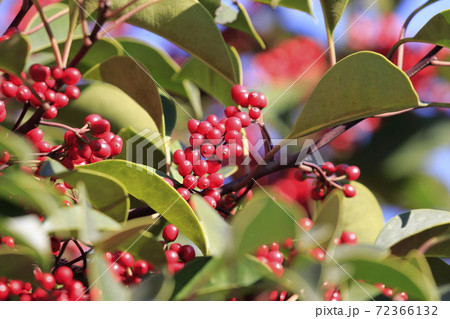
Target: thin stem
{"points": [[84, 28], [118, 11], [126, 16], [51, 19], [70, 34], [21, 116], [401, 48], [53, 41], [440, 63], [26, 6], [432, 242], [331, 49]]}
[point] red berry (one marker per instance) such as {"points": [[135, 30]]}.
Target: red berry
{"points": [[212, 193], [178, 157], [100, 148], [140, 268], [172, 257], [244, 117], [39, 72], [4, 291], [240, 95], [349, 191], [72, 92], [116, 145], [108, 137], [204, 127], [235, 150], [196, 140], [3, 115], [47, 281], [332, 295], [193, 126], [214, 136], [76, 290], [50, 96], [329, 168], [203, 182], [255, 113], [341, 169], [306, 223], [276, 256], [23, 94], [349, 238], [200, 168], [402, 296], [317, 193], [274, 246], [63, 275], [207, 150], [92, 118], [168, 181], [257, 99], [40, 87], [212, 119], [192, 155], [8, 241], [318, 253], [8, 89], [100, 127], [230, 111], [211, 201], [187, 253], [15, 287], [216, 180], [233, 137], [222, 152], [84, 151], [61, 100], [276, 268], [388, 292], [4, 157], [51, 113], [190, 182], [57, 72], [126, 259], [35, 135], [233, 124], [71, 76], [185, 168], [176, 247], [213, 166], [263, 251], [352, 173], [2, 106], [61, 188], [170, 233], [221, 127], [44, 147], [184, 193]]}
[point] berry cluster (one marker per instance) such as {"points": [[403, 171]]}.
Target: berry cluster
{"points": [[272, 257], [177, 255], [327, 177], [213, 142], [125, 269], [389, 292]]}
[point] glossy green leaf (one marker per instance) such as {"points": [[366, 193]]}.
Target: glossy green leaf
{"points": [[365, 263], [143, 183], [170, 113], [208, 80], [302, 5], [17, 263], [410, 230], [435, 31], [327, 218], [14, 54], [112, 103], [333, 10], [217, 231], [344, 95], [263, 221], [188, 25], [134, 239], [143, 147], [226, 15], [60, 27], [107, 194], [441, 270], [137, 83]]}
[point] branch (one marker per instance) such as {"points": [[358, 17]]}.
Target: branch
{"points": [[26, 6]]}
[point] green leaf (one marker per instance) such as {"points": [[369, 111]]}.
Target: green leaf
{"points": [[366, 263], [15, 144], [143, 147], [344, 95], [209, 81], [107, 194], [228, 170], [410, 230], [328, 217], [217, 230], [60, 27], [14, 54], [302, 5], [17, 263], [170, 113], [244, 23], [435, 31], [134, 239], [188, 25], [333, 10], [112, 103], [263, 221], [137, 83], [143, 183]]}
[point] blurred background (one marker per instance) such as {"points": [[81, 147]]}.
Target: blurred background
{"points": [[404, 160]]}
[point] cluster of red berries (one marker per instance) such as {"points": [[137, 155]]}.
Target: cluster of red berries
{"points": [[125, 269], [59, 286], [389, 292], [177, 255], [47, 82], [8, 241], [326, 180], [213, 142], [272, 257]]}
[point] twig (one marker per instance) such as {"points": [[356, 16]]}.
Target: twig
{"points": [[53, 41], [70, 34], [22, 115], [51, 19], [118, 11], [26, 6], [440, 63]]}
